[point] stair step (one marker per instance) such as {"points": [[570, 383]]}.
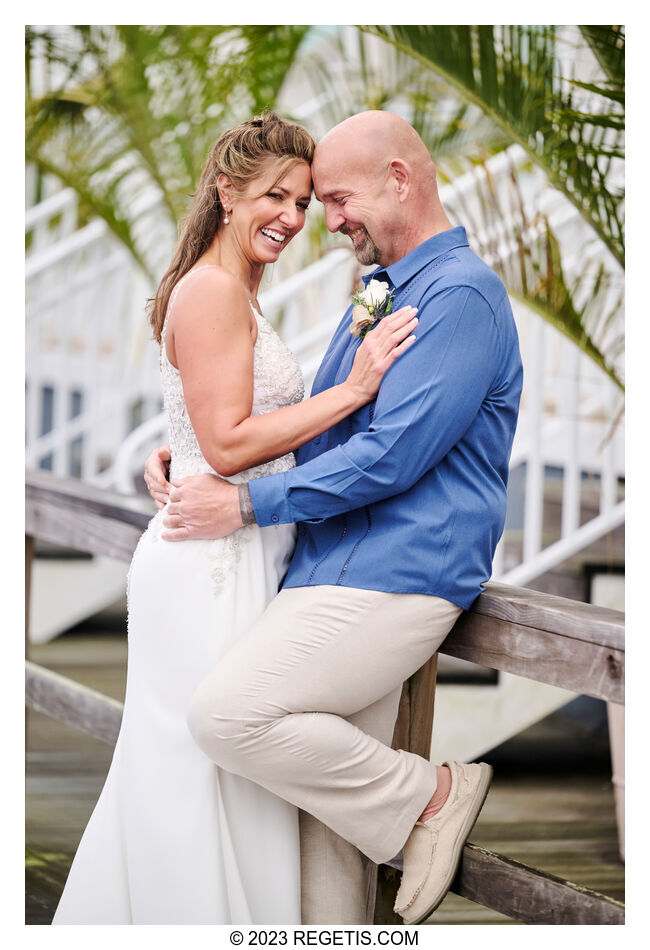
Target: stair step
{"points": [[66, 591], [469, 720]]}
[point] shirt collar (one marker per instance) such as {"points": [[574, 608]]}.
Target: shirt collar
{"points": [[405, 269]]}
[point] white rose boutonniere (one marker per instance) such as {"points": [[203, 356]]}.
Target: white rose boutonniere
{"points": [[370, 305]]}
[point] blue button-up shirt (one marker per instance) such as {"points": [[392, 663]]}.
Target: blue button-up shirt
{"points": [[408, 494]]}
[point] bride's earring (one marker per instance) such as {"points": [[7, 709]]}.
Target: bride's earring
{"points": [[226, 219]]}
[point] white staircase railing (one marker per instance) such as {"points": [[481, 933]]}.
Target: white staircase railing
{"points": [[51, 220]]}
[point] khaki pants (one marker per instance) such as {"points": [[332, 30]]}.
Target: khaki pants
{"points": [[304, 704]]}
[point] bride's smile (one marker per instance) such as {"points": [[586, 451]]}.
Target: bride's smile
{"points": [[262, 225]]}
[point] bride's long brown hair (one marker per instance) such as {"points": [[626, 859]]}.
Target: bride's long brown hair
{"points": [[241, 154]]}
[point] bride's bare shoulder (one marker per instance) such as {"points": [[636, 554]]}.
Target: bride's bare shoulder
{"points": [[208, 290], [208, 279]]}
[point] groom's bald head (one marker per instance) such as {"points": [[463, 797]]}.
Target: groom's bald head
{"points": [[377, 183], [375, 136]]}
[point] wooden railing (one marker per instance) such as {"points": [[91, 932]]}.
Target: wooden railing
{"points": [[545, 638]]}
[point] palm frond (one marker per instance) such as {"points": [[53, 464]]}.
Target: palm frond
{"points": [[586, 305], [133, 110], [513, 74], [608, 46]]}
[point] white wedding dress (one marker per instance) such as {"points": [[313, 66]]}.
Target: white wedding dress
{"points": [[173, 839]]}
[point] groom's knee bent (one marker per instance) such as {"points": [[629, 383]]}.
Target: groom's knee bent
{"points": [[219, 725]]}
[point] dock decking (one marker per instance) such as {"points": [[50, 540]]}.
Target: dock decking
{"points": [[551, 803]]}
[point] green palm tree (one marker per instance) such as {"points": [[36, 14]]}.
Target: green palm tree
{"points": [[586, 308], [136, 108]]}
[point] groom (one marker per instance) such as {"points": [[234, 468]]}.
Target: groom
{"points": [[399, 510]]}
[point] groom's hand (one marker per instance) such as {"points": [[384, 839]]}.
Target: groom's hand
{"points": [[203, 506]]}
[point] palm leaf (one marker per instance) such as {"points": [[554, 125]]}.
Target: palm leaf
{"points": [[381, 77], [512, 74], [134, 110], [608, 46], [587, 306]]}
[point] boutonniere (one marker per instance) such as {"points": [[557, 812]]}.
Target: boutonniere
{"points": [[370, 305]]}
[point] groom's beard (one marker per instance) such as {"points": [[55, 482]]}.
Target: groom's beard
{"points": [[367, 252]]}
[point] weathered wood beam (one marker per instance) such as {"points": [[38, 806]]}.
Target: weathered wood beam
{"points": [[574, 664], [75, 515], [511, 888], [69, 702], [529, 895], [414, 727], [74, 495], [569, 618]]}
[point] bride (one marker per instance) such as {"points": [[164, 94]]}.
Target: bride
{"points": [[173, 838]]}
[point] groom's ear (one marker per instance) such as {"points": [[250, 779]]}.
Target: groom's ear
{"points": [[401, 177]]}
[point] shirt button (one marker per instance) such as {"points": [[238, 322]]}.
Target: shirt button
{"points": [[274, 519], [317, 440]]}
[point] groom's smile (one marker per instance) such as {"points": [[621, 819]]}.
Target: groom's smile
{"points": [[362, 199]]}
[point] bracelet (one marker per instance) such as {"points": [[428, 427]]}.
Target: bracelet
{"points": [[245, 504]]}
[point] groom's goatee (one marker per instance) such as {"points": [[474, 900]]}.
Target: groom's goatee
{"points": [[367, 252]]}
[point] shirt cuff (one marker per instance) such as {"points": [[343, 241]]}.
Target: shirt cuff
{"points": [[269, 499]]}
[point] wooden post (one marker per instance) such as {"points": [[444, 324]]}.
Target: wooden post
{"points": [[422, 687], [29, 557], [413, 731]]}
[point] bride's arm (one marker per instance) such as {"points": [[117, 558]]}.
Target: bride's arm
{"points": [[209, 340]]}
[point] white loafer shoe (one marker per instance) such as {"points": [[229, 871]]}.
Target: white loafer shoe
{"points": [[433, 849]]}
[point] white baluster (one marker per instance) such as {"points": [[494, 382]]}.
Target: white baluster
{"points": [[534, 500], [60, 466], [571, 482], [608, 476]]}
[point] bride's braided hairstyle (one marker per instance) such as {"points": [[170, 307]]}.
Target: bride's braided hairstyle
{"points": [[241, 154]]}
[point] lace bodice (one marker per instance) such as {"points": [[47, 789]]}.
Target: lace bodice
{"points": [[278, 382]]}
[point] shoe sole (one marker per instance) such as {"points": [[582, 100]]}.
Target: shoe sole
{"points": [[470, 821]]}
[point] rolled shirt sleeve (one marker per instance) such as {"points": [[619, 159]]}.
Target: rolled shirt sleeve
{"points": [[426, 402]]}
